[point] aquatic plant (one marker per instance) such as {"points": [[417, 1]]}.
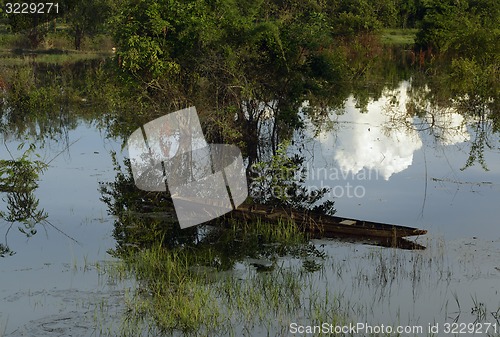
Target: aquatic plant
{"points": [[281, 182], [18, 179]]}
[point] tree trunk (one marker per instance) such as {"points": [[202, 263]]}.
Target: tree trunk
{"points": [[35, 36], [78, 37]]}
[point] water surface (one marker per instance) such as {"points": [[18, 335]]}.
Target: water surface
{"points": [[382, 164]]}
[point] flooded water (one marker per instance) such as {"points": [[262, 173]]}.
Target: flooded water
{"points": [[384, 166], [52, 281], [380, 164], [395, 169]]}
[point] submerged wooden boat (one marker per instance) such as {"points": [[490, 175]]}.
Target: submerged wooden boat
{"points": [[317, 223], [326, 225]]}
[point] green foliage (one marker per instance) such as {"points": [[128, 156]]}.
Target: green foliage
{"points": [[18, 179], [231, 56], [478, 81], [476, 153], [86, 17], [357, 16], [179, 299], [176, 269], [26, 98], [399, 36], [134, 210], [477, 91], [19, 175], [44, 101], [410, 13], [468, 28], [29, 91], [467, 33], [280, 182], [194, 38], [33, 25]]}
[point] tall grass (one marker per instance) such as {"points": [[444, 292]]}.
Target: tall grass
{"points": [[167, 292], [179, 293], [172, 299], [398, 36]]}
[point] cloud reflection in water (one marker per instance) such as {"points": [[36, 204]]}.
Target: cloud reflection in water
{"points": [[385, 137]]}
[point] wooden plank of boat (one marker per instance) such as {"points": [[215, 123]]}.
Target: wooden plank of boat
{"points": [[325, 224], [313, 222]]}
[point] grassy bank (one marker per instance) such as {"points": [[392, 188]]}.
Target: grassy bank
{"points": [[191, 291], [398, 36], [178, 294], [57, 47]]}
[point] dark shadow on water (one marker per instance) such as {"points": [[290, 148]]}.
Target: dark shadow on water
{"points": [[398, 243]]}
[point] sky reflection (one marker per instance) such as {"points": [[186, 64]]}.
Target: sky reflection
{"points": [[385, 138], [387, 165]]}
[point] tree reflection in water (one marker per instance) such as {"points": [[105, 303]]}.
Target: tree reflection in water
{"points": [[18, 181], [145, 219]]}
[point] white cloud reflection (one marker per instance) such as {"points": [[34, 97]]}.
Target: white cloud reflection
{"points": [[385, 138]]}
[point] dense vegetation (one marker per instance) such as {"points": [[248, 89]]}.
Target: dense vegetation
{"points": [[246, 65], [244, 62]]}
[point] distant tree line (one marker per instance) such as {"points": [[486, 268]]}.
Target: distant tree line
{"points": [[83, 18], [434, 17], [245, 54], [243, 61]]}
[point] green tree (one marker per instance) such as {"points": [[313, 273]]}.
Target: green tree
{"points": [[34, 26], [410, 12], [87, 17], [465, 28], [18, 180], [354, 16], [253, 58]]}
